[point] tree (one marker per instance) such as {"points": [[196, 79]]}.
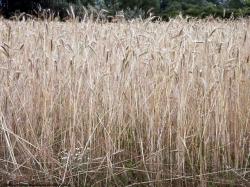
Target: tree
{"points": [[247, 2], [235, 4], [144, 4]]}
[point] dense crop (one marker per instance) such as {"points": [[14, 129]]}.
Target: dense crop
{"points": [[125, 104]]}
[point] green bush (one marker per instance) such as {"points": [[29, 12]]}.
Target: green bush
{"points": [[235, 4], [247, 2], [193, 11]]}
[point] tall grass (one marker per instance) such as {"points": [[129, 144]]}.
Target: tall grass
{"points": [[126, 104]]}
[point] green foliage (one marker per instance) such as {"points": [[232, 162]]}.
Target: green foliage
{"points": [[247, 2], [235, 4], [164, 8]]}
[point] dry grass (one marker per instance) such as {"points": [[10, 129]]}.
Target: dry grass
{"points": [[125, 104]]}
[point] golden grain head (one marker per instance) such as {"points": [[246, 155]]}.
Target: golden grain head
{"points": [[127, 104]]}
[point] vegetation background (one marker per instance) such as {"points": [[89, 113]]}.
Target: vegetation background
{"points": [[135, 8]]}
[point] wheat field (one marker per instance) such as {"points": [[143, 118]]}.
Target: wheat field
{"points": [[136, 103]]}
